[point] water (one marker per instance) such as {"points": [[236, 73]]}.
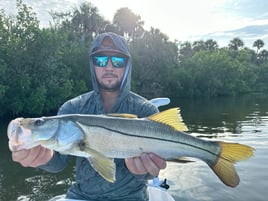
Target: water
{"points": [[243, 120]]}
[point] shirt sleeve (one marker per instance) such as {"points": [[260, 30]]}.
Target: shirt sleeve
{"points": [[56, 164]]}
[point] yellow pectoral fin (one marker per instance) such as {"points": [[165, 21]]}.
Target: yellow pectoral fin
{"points": [[101, 164], [170, 117]]}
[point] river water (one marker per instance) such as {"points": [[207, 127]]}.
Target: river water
{"points": [[243, 119]]}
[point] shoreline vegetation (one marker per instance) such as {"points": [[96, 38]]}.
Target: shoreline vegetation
{"points": [[40, 68]]}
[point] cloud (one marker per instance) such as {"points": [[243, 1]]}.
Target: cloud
{"points": [[182, 20], [245, 8], [248, 34], [41, 8]]}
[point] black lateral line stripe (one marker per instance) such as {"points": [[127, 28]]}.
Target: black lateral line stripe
{"points": [[155, 138]]}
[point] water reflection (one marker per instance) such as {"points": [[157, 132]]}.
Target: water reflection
{"points": [[221, 115], [243, 120]]}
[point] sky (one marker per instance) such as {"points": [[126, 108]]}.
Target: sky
{"points": [[182, 20]]}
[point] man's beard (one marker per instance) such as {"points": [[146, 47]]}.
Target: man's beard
{"points": [[108, 87], [114, 87]]}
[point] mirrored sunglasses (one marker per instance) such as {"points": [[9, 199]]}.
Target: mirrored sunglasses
{"points": [[102, 61]]}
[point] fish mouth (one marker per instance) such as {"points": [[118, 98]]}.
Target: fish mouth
{"points": [[17, 135], [13, 129]]}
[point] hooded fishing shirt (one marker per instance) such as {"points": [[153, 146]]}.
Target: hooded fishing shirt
{"points": [[89, 184]]}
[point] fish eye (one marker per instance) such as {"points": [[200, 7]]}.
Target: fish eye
{"points": [[38, 122]]}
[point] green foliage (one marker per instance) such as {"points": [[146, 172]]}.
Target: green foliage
{"points": [[40, 68], [3, 86], [154, 57], [37, 79], [216, 73], [262, 75]]}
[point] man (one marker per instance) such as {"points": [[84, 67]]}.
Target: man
{"points": [[110, 67]]}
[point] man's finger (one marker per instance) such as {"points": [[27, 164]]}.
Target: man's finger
{"points": [[159, 162], [149, 165]]}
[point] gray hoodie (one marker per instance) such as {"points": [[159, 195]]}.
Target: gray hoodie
{"points": [[89, 184]]}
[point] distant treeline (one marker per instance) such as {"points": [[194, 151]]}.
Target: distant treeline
{"points": [[40, 68]]}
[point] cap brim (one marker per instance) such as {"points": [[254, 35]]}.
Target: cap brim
{"points": [[107, 49]]}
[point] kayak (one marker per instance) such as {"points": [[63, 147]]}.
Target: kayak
{"points": [[157, 192], [158, 102]]}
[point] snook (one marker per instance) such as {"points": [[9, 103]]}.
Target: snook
{"points": [[100, 138]]}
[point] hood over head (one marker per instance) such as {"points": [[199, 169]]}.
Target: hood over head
{"points": [[119, 45]]}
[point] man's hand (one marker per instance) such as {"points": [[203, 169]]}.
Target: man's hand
{"points": [[146, 163], [33, 157]]}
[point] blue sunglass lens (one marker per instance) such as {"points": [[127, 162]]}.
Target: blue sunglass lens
{"points": [[100, 61], [117, 62]]}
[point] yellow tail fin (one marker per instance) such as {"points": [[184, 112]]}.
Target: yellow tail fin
{"points": [[224, 166]]}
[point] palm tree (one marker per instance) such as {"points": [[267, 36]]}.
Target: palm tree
{"points": [[185, 50], [199, 45], [128, 23], [86, 21], [263, 55], [236, 44], [258, 44], [211, 45]]}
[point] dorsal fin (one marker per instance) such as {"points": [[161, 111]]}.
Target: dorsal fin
{"points": [[170, 117], [122, 115]]}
